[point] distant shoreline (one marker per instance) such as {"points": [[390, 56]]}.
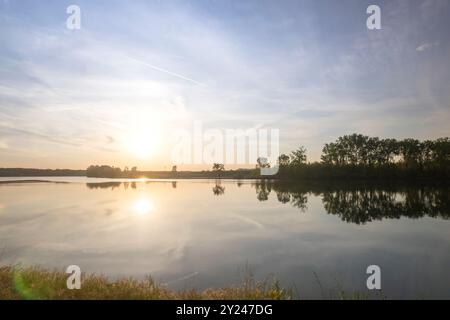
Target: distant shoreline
{"points": [[227, 175], [33, 172], [29, 181]]}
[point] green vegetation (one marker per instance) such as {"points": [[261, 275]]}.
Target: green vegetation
{"points": [[107, 172], [362, 157], [35, 283]]}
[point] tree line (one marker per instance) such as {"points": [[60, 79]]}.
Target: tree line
{"points": [[360, 156], [359, 149], [104, 171], [354, 156]]}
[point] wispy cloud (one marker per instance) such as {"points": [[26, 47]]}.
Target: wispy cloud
{"points": [[427, 46]]}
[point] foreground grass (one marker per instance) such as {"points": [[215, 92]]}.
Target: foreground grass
{"points": [[36, 283]]}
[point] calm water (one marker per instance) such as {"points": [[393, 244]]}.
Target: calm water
{"points": [[207, 233]]}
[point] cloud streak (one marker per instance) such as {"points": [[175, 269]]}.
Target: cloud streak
{"points": [[426, 46]]}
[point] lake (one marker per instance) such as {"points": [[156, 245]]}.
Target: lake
{"points": [[316, 238]]}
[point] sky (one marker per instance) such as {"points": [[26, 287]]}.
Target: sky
{"points": [[137, 71]]}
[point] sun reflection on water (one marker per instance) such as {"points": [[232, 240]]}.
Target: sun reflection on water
{"points": [[143, 206]]}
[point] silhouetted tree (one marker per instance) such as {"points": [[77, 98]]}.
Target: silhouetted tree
{"points": [[103, 171], [298, 156], [411, 150], [283, 160], [262, 162], [218, 167]]}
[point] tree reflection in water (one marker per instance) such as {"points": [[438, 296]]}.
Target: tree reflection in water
{"points": [[218, 189], [361, 203], [285, 193], [361, 206], [352, 202]]}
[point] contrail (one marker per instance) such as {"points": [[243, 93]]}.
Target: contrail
{"points": [[167, 72]]}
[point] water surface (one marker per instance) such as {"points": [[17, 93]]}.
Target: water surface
{"points": [[207, 233]]}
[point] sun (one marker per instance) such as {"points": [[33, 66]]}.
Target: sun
{"points": [[143, 143]]}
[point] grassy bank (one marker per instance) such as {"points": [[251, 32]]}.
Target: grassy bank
{"points": [[36, 283]]}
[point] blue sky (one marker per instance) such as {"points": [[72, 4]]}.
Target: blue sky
{"points": [[70, 98]]}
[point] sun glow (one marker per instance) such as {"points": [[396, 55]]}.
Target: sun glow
{"points": [[143, 206], [143, 143]]}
